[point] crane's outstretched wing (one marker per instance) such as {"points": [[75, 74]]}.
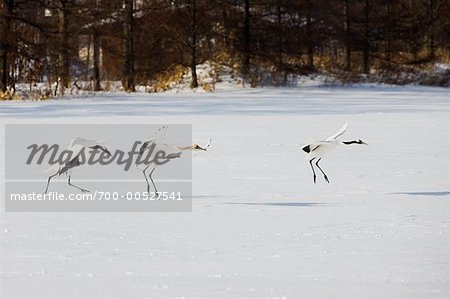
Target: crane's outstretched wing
{"points": [[157, 137], [338, 133], [78, 141], [77, 145], [101, 148]]}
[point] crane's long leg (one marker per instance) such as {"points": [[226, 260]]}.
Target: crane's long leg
{"points": [[146, 180], [81, 189], [150, 176], [314, 173], [324, 175], [48, 182]]}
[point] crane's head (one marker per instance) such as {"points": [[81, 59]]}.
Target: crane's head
{"points": [[359, 141], [196, 147]]}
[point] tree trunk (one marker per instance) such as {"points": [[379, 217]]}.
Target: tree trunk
{"points": [[388, 51], [128, 71], [96, 60], [193, 12], [5, 44], [64, 60], [431, 18], [88, 59], [309, 36], [348, 49], [280, 34], [366, 34], [246, 54]]}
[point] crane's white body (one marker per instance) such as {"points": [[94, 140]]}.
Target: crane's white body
{"points": [[321, 148], [77, 145], [146, 158]]}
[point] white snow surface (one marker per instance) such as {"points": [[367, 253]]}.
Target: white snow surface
{"points": [[259, 227]]}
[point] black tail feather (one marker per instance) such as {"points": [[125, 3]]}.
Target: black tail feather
{"points": [[306, 148]]}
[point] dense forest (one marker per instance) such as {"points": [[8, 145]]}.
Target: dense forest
{"points": [[64, 41]]}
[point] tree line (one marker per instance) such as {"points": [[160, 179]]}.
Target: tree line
{"points": [[65, 41]]}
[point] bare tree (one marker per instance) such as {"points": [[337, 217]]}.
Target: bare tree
{"points": [[347, 38], [192, 4], [96, 48], [64, 11], [309, 34], [128, 68], [247, 39], [5, 41]]}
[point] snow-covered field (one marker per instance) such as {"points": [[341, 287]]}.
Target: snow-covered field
{"points": [[259, 226]]}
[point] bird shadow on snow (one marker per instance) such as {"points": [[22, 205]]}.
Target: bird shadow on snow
{"points": [[280, 204], [435, 193]]}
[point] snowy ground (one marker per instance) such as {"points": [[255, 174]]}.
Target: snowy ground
{"points": [[259, 226]]}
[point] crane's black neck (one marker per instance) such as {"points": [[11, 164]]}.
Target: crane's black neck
{"points": [[352, 142]]}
